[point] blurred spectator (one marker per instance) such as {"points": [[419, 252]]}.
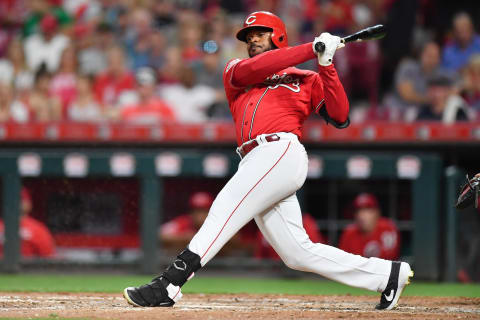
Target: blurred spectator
{"points": [[84, 108], [83, 10], [138, 38], [170, 72], [6, 96], [14, 63], [38, 10], [190, 101], [208, 71], [46, 47], [371, 235], [117, 19], [63, 83], [116, 79], [158, 45], [36, 239], [12, 17], [190, 36], [444, 103], [359, 63], [338, 16], [465, 43], [164, 13], [263, 250], [149, 109], [20, 109], [45, 106], [411, 78], [471, 82], [91, 48], [230, 47], [400, 17]]}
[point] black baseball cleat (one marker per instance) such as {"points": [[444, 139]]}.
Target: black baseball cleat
{"points": [[158, 293], [400, 275]]}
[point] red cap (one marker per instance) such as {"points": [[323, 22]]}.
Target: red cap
{"points": [[201, 200], [265, 19], [49, 23], [365, 200]]}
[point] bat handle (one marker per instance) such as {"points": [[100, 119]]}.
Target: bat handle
{"points": [[320, 46]]}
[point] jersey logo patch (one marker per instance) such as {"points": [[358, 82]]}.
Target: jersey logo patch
{"points": [[285, 80]]}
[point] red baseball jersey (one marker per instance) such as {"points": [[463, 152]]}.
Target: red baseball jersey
{"points": [[383, 242], [36, 239], [266, 94], [182, 224]]}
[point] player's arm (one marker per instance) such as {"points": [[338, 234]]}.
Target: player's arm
{"points": [[335, 106], [256, 69]]}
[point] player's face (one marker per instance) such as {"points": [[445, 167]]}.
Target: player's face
{"points": [[366, 219], [258, 41]]}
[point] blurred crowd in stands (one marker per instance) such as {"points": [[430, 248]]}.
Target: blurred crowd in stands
{"points": [[146, 61]]}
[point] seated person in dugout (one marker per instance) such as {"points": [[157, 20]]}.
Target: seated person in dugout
{"points": [[371, 235], [177, 233], [36, 239]]}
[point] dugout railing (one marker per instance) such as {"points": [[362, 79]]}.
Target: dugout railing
{"points": [[422, 170]]}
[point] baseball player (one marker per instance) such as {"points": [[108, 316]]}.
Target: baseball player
{"points": [[270, 99], [370, 235]]}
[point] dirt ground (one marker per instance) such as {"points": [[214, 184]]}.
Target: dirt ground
{"points": [[245, 306]]}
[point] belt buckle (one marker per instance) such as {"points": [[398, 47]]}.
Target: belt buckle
{"points": [[240, 151]]}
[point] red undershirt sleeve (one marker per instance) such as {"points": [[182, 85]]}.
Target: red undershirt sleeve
{"points": [[256, 69], [336, 100]]}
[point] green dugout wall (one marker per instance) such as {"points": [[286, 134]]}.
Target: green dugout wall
{"points": [[423, 169]]}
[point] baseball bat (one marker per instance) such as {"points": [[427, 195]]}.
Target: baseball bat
{"points": [[371, 33]]}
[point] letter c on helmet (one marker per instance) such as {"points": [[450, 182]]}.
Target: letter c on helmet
{"points": [[250, 20]]}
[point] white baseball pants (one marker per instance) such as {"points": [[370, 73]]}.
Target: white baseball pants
{"points": [[264, 189]]}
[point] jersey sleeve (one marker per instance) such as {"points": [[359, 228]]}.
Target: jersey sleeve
{"points": [[242, 73], [317, 96], [171, 228], [44, 243], [336, 100], [231, 90]]}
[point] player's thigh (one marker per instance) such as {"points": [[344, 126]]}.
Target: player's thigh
{"points": [[268, 175]]}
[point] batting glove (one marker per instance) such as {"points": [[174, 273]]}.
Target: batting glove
{"points": [[332, 43]]}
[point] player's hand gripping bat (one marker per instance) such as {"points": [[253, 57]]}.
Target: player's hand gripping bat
{"points": [[370, 33]]}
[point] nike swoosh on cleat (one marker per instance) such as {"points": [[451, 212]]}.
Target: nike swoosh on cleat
{"points": [[390, 296]]}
